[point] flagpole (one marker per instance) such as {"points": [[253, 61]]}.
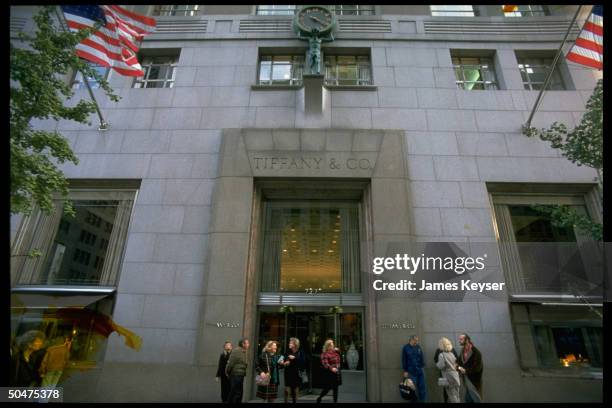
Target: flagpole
{"points": [[103, 123], [527, 125]]}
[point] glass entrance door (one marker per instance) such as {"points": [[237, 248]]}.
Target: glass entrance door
{"points": [[313, 328]]}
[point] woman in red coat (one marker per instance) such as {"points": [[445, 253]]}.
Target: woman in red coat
{"points": [[330, 359]]}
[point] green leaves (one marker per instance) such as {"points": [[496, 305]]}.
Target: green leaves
{"points": [[39, 90], [582, 145]]}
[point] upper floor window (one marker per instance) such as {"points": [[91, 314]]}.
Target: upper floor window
{"points": [[474, 72], [159, 72], [78, 82], [68, 244], [276, 10], [174, 10], [524, 11], [280, 69], [353, 10], [348, 70], [453, 11], [534, 71]]}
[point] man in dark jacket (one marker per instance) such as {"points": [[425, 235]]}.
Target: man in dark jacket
{"points": [[413, 363], [438, 351], [470, 364], [26, 360], [236, 370], [223, 358]]}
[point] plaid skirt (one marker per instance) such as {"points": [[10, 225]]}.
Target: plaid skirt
{"points": [[269, 391]]}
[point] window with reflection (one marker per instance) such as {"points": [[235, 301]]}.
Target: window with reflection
{"points": [[281, 69], [474, 73], [159, 72], [310, 245], [453, 10], [525, 11], [176, 10], [353, 10], [348, 70], [84, 249], [276, 10], [78, 82], [534, 71]]}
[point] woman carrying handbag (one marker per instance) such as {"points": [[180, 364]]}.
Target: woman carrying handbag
{"points": [[267, 378], [330, 359], [447, 363]]}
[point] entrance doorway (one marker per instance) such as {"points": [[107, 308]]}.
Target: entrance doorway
{"points": [[313, 327]]}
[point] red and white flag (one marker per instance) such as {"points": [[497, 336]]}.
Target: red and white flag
{"points": [[588, 49], [115, 44]]}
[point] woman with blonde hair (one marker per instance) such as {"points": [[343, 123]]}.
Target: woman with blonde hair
{"points": [[330, 359], [293, 364], [268, 365], [447, 363]]}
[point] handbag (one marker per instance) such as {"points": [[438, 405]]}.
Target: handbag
{"points": [[407, 390], [304, 376], [263, 379]]}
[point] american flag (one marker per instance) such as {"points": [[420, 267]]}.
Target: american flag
{"points": [[588, 49], [114, 45]]}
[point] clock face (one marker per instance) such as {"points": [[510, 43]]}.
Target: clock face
{"points": [[315, 17]]}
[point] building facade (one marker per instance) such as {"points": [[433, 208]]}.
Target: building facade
{"points": [[233, 195]]}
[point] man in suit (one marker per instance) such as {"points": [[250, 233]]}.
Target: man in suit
{"points": [[223, 358]]}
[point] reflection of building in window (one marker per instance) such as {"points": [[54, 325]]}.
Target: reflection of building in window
{"points": [[174, 10], [159, 72], [276, 10], [348, 70], [69, 245], [525, 11], [475, 72], [78, 83], [558, 337], [534, 72], [453, 11], [281, 70], [539, 256]]}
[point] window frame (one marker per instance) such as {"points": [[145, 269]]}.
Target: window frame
{"points": [[452, 11], [77, 82], [360, 10], [295, 61], [528, 85], [276, 10], [148, 62], [528, 12], [174, 10], [486, 85], [334, 80], [39, 231]]}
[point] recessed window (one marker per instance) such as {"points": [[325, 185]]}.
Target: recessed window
{"points": [[69, 244], [280, 69], [525, 11], [474, 73], [78, 83], [353, 10], [453, 11], [174, 10], [276, 10], [348, 70], [159, 72], [564, 338], [534, 71]]}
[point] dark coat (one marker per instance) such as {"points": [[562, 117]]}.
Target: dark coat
{"points": [[24, 373], [292, 371], [237, 363], [473, 368], [223, 358], [268, 363]]}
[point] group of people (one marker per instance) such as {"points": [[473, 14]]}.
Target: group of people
{"points": [[36, 362], [233, 365], [460, 373]]}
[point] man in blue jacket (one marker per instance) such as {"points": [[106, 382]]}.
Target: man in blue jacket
{"points": [[413, 363]]}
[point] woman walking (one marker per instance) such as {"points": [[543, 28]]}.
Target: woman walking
{"points": [[25, 363], [293, 364], [330, 359], [447, 363], [268, 365]]}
